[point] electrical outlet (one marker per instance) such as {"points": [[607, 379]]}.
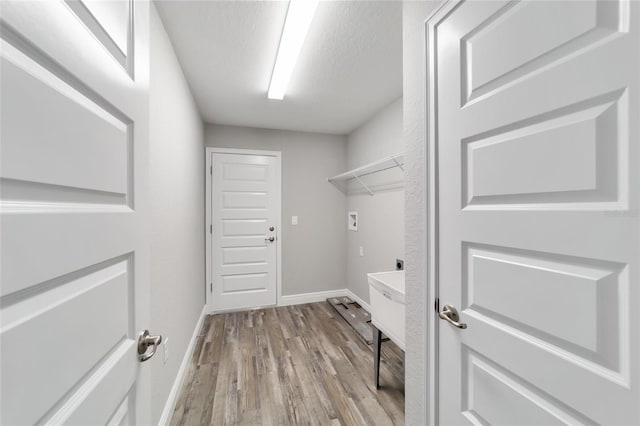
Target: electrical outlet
{"points": [[294, 220], [166, 350]]}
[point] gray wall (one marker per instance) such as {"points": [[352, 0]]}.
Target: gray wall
{"points": [[413, 17], [314, 251], [380, 136], [381, 217], [177, 218]]}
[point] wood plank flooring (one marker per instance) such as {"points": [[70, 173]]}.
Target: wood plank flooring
{"points": [[293, 365]]}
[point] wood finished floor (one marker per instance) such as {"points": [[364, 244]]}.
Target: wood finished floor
{"points": [[293, 365]]}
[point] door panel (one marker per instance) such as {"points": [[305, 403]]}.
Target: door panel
{"points": [[485, 382], [245, 204], [499, 50], [106, 292], [244, 200], [244, 255], [245, 282], [86, 147], [538, 201], [73, 288], [106, 18], [530, 176], [512, 285]]}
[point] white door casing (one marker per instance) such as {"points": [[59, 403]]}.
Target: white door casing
{"points": [[74, 280], [244, 215], [533, 123]]}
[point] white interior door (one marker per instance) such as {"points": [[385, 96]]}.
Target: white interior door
{"points": [[245, 199], [73, 289], [536, 108]]}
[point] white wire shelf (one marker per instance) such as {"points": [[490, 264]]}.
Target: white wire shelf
{"points": [[387, 163]]}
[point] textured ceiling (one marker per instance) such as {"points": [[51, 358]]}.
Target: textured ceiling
{"points": [[350, 66]]}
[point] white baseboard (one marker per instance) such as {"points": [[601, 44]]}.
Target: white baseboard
{"points": [[361, 302], [170, 405], [319, 296]]}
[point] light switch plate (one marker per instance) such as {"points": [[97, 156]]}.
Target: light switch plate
{"points": [[294, 220]]}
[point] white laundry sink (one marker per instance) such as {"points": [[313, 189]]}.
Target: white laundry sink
{"points": [[386, 292]]}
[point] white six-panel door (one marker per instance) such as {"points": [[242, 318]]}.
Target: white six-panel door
{"points": [[73, 288], [245, 200], [535, 121]]}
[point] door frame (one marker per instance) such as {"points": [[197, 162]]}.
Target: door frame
{"points": [[209, 151], [432, 255]]}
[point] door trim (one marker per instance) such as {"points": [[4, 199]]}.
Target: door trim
{"points": [[209, 151], [432, 340]]}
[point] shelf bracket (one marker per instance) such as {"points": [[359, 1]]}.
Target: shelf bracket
{"points": [[363, 184], [395, 160]]}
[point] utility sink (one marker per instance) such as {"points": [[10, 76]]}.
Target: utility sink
{"points": [[386, 292]]}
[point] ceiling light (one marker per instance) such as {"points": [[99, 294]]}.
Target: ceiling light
{"points": [[296, 25]]}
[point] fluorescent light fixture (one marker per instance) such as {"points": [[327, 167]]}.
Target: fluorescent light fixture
{"points": [[296, 25]]}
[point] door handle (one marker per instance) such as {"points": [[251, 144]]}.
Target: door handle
{"points": [[450, 314], [145, 339], [270, 239]]}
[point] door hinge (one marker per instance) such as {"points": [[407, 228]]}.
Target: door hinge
{"points": [[210, 170], [437, 305], [211, 287], [211, 229]]}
